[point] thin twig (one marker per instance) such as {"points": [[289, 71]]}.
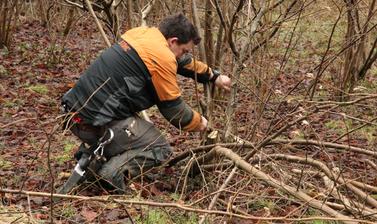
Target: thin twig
{"points": [[18, 121], [222, 187], [324, 144]]}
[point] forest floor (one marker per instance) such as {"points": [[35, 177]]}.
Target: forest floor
{"points": [[34, 76]]}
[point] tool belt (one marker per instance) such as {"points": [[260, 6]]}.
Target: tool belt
{"points": [[75, 122]]}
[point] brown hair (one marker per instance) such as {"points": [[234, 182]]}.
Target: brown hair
{"points": [[179, 26]]}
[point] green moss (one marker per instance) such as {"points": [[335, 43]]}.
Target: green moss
{"points": [[373, 71], [187, 219], [3, 71], [4, 51], [13, 103], [313, 212], [4, 164], [9, 104], [369, 86], [263, 203], [66, 154], [157, 216], [332, 124], [2, 145], [368, 133], [68, 211], [175, 196], [41, 89], [339, 125]]}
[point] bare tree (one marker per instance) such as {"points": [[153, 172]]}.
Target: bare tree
{"points": [[358, 50], [107, 11], [360, 55], [9, 11]]}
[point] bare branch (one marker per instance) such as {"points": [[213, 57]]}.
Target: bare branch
{"points": [[145, 12], [242, 164], [325, 144], [336, 178], [89, 5]]}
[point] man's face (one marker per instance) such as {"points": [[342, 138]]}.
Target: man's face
{"points": [[179, 49]]}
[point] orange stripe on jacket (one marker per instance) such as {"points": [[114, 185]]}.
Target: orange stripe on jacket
{"points": [[195, 122], [153, 49], [200, 67]]}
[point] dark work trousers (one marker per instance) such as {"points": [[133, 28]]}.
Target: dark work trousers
{"points": [[137, 146]]}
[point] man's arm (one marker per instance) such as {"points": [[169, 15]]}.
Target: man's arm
{"points": [[188, 67], [169, 102], [178, 113]]}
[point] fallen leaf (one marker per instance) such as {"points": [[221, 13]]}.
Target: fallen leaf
{"points": [[113, 215], [88, 214], [155, 191], [168, 171], [71, 85], [41, 216], [37, 200], [64, 175]]}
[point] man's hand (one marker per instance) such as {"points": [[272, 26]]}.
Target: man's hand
{"points": [[223, 82]]}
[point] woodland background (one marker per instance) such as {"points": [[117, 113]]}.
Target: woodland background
{"points": [[293, 142]]}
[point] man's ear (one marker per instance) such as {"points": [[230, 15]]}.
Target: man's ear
{"points": [[172, 40]]}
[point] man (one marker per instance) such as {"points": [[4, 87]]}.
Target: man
{"points": [[133, 75]]}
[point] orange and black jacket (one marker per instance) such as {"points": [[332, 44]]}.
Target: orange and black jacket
{"points": [[138, 72]]}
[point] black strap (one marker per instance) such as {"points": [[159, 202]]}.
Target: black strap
{"points": [[156, 161], [84, 150], [216, 74]]}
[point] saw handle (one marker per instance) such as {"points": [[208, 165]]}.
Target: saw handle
{"points": [[84, 161]]}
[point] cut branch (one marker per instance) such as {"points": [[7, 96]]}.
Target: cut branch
{"points": [[336, 178], [239, 162]]}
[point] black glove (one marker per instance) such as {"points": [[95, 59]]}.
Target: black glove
{"points": [[216, 73]]}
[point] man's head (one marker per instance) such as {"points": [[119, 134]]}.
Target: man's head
{"points": [[180, 34]]}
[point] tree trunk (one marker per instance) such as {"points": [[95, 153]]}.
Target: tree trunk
{"points": [[42, 12], [129, 14], [208, 30], [355, 56], [71, 19], [9, 11]]}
